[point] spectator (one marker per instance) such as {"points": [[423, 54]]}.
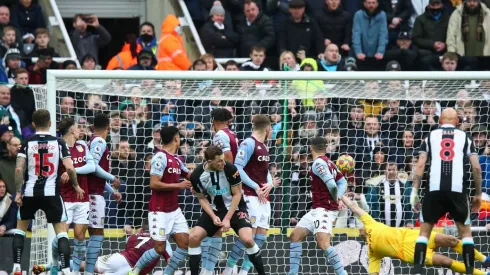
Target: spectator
{"points": [[41, 43], [45, 62], [467, 33], [22, 97], [331, 60], [389, 197], [6, 133], [256, 62], [134, 127], [155, 145], [116, 133], [147, 38], [279, 12], [211, 64], [146, 61], [231, 65], [479, 135], [300, 33], [127, 57], [335, 24], [369, 31], [287, 62], [15, 114], [171, 51], [404, 52], [398, 15], [27, 17], [430, 29], [66, 108], [325, 116], [88, 36], [367, 141], [88, 62], [405, 147], [217, 38], [7, 164], [8, 210], [5, 21], [69, 65], [8, 40], [256, 29], [352, 126]]}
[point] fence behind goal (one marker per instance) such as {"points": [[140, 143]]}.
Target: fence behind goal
{"points": [[378, 118]]}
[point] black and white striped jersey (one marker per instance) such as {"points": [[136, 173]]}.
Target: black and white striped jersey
{"points": [[447, 148], [44, 154], [217, 185]]}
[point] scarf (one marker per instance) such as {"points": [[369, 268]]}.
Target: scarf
{"points": [[5, 205], [465, 25], [398, 202]]}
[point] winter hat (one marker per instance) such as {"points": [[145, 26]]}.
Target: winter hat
{"points": [[12, 53], [5, 128], [218, 9]]}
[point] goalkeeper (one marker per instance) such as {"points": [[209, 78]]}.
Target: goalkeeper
{"points": [[398, 242]]}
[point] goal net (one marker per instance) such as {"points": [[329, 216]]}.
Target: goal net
{"points": [[377, 118]]}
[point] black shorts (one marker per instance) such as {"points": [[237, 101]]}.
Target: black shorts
{"points": [[237, 222], [438, 203], [53, 207]]}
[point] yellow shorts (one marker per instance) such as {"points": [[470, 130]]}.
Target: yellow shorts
{"points": [[409, 249]]}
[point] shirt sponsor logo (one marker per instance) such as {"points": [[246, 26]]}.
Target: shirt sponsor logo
{"points": [[263, 158], [174, 170], [215, 192]]}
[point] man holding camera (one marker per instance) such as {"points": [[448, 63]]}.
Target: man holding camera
{"points": [[88, 35]]}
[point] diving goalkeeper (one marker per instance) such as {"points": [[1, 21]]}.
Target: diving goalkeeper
{"points": [[398, 242]]}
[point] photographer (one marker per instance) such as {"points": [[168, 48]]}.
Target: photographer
{"points": [[88, 35]]}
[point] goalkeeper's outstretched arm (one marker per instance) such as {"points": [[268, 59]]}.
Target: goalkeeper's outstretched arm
{"points": [[352, 205]]}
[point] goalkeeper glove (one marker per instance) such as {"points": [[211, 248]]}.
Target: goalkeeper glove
{"points": [[415, 198]]}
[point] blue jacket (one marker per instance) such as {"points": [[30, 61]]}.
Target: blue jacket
{"points": [[485, 169], [369, 34], [10, 217]]}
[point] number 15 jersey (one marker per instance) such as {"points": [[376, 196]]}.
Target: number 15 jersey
{"points": [[447, 148]]}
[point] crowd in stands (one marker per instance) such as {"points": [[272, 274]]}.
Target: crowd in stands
{"points": [[281, 35]]}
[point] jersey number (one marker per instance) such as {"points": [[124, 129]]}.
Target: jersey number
{"points": [[447, 149], [143, 241], [47, 165]]}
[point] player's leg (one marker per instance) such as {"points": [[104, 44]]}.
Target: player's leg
{"points": [[443, 240], [262, 215], [432, 210], [443, 261], [214, 248], [241, 225], [25, 214], [459, 208], [323, 224], [180, 231], [197, 235], [295, 247], [80, 219], [54, 207], [238, 249], [96, 231], [156, 222]]}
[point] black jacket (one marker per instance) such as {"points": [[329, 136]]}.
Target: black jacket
{"points": [[305, 35], [27, 20], [260, 32], [427, 31], [220, 43], [335, 25], [22, 98]]}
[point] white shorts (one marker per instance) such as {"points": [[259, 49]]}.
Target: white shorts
{"points": [[112, 264], [259, 213], [97, 211], [77, 212], [319, 220], [163, 224]]}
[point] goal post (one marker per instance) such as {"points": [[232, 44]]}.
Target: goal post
{"points": [[293, 101]]}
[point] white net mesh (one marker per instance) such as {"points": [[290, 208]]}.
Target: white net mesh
{"points": [[379, 123], [39, 240]]}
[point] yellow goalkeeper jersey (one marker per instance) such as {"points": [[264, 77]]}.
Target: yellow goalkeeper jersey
{"points": [[385, 241]]}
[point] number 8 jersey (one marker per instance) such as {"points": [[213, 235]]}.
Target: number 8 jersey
{"points": [[447, 148]]}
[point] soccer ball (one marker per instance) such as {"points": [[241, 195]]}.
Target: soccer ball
{"points": [[346, 164]]}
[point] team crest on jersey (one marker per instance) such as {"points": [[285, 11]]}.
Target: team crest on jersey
{"points": [[253, 219], [161, 232], [79, 148]]}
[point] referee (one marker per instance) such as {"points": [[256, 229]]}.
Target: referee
{"points": [[446, 147]]}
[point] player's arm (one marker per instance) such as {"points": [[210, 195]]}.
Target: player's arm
{"points": [[244, 154], [352, 205], [235, 181], [475, 166], [223, 141], [419, 173], [184, 170], [97, 149], [68, 163], [203, 201], [158, 166], [20, 169], [374, 263]]}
